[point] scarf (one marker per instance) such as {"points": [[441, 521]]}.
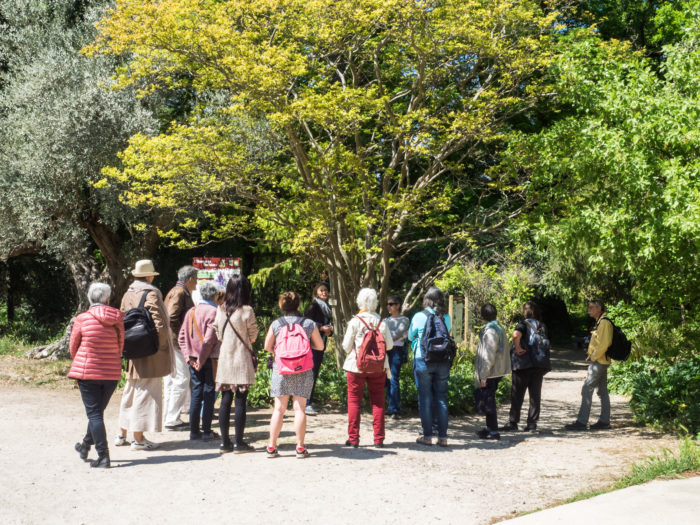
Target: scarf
{"points": [[325, 309]]}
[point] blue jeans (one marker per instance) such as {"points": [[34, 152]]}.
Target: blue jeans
{"points": [[203, 397], [397, 357], [96, 395], [431, 382]]}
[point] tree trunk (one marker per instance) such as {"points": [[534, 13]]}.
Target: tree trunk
{"points": [[85, 271], [56, 350], [343, 311], [8, 290], [114, 255]]}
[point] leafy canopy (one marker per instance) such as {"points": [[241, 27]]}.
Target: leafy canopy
{"points": [[355, 132]]}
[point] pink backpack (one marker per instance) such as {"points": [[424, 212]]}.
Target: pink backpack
{"points": [[293, 350], [372, 350]]}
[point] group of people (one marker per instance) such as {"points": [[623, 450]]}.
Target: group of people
{"points": [[204, 350]]}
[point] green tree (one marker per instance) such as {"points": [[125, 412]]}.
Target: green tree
{"points": [[614, 183], [382, 116], [60, 124]]}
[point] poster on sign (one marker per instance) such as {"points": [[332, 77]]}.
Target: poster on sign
{"points": [[217, 269]]}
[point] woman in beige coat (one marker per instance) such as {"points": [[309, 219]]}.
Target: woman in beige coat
{"points": [[237, 330], [142, 401]]}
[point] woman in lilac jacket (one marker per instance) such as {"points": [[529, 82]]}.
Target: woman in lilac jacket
{"points": [[96, 343], [200, 348]]}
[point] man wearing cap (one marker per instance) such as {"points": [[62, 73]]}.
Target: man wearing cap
{"points": [[142, 401], [176, 388]]}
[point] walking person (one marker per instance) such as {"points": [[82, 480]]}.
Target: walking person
{"points": [[366, 319], [297, 385], [431, 377], [96, 343], [597, 377], [528, 373], [398, 355], [199, 344], [176, 387], [237, 330], [142, 400], [491, 363], [319, 311]]}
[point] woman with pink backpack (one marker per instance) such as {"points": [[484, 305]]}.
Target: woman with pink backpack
{"points": [[291, 339]]}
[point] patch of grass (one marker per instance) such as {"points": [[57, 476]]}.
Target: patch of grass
{"points": [[43, 373], [663, 466], [10, 345]]}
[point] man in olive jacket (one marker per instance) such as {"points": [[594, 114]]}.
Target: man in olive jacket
{"points": [[141, 407], [597, 377], [176, 388]]}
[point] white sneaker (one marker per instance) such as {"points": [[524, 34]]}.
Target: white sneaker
{"points": [[310, 411], [120, 441], [143, 445]]}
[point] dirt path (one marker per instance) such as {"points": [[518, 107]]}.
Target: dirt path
{"points": [[472, 482]]}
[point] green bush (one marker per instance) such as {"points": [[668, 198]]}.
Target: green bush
{"points": [[331, 387], [664, 394]]}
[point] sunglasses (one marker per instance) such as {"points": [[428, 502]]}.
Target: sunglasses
{"points": [[392, 304]]}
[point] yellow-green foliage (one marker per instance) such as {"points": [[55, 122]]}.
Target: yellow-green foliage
{"points": [[343, 124]]}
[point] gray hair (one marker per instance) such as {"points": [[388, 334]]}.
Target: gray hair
{"points": [[186, 272], [99, 293], [208, 290], [597, 302], [367, 299]]}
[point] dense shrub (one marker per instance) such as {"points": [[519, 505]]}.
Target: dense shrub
{"points": [[664, 394], [331, 387]]}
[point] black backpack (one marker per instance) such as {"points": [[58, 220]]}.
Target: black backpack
{"points": [[436, 344], [620, 348], [538, 344], [140, 334]]}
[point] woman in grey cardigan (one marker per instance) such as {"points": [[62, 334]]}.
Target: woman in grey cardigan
{"points": [[237, 330], [491, 363]]}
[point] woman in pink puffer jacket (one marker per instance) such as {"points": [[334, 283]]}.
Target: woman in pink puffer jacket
{"points": [[96, 344]]}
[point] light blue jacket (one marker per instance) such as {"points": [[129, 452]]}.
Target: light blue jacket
{"points": [[415, 331]]}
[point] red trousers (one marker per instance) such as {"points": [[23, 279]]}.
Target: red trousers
{"points": [[356, 387]]}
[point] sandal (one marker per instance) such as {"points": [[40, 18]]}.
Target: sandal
{"points": [[422, 440], [442, 443]]}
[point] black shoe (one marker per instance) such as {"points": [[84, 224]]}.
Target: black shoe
{"points": [[531, 428], [195, 436], [600, 426], [226, 447], [349, 443], [242, 448], [485, 433], [82, 448], [576, 425], [208, 436], [178, 427], [101, 462], [395, 415], [379, 445], [510, 427]]}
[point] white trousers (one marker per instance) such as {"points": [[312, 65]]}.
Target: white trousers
{"points": [[176, 390], [140, 409]]}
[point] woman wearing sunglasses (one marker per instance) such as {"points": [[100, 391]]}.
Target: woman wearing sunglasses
{"points": [[398, 355]]}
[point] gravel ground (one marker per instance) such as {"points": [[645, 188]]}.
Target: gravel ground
{"points": [[472, 482]]}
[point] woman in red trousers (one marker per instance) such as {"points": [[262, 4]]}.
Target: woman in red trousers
{"points": [[366, 319]]}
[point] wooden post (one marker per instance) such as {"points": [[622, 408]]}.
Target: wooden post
{"points": [[467, 326]]}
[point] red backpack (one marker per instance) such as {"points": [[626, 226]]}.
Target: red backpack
{"points": [[372, 351]]}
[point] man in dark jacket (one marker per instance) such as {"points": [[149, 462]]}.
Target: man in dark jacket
{"points": [[176, 389]]}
